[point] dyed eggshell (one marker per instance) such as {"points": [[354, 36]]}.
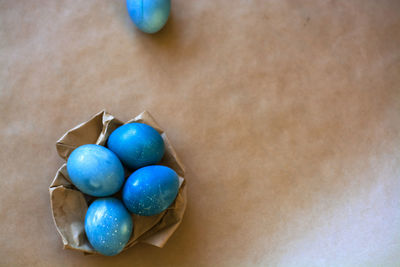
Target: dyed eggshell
{"points": [[95, 170], [108, 226], [137, 145], [149, 15], [150, 190]]}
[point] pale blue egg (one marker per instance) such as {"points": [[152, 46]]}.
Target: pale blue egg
{"points": [[136, 145], [95, 170], [108, 226], [149, 15], [150, 190]]}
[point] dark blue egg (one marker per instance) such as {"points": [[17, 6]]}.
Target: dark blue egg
{"points": [[95, 170], [136, 145], [149, 15], [150, 190], [108, 226]]}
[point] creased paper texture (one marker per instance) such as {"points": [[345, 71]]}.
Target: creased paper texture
{"points": [[69, 205]]}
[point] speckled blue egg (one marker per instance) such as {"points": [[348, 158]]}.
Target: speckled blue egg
{"points": [[149, 15], [137, 145], [95, 170], [108, 226], [150, 190]]}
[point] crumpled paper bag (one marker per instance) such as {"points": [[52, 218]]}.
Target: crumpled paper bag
{"points": [[69, 205]]}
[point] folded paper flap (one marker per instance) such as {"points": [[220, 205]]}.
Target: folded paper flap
{"points": [[142, 225], [69, 205], [69, 210], [146, 118], [109, 125], [85, 133], [170, 158], [61, 178]]}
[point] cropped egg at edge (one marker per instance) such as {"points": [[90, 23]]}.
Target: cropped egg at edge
{"points": [[150, 190], [95, 170], [149, 15], [108, 226]]}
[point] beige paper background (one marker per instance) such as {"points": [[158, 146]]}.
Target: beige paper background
{"points": [[286, 115]]}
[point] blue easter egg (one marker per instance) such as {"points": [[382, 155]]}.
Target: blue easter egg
{"points": [[150, 190], [108, 226], [136, 145], [149, 15], [95, 170]]}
